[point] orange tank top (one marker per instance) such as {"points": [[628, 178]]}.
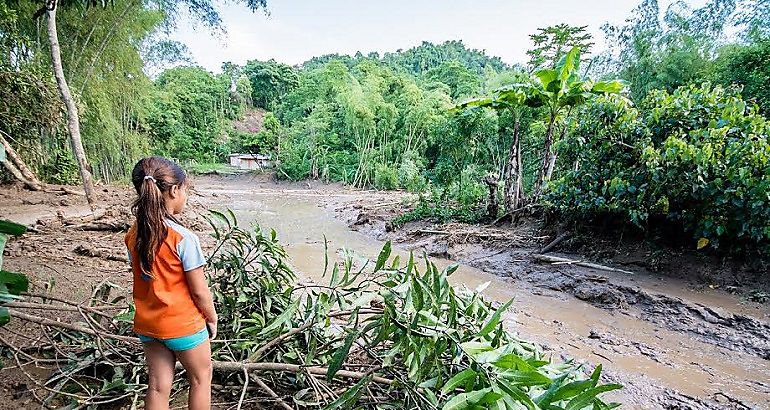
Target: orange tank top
{"points": [[164, 305]]}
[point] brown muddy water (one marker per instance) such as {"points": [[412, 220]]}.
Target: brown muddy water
{"points": [[663, 363]]}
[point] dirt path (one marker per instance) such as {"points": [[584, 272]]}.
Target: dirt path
{"points": [[673, 343]]}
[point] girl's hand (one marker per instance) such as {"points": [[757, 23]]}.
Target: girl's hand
{"points": [[212, 328]]}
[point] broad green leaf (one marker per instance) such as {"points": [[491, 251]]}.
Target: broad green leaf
{"points": [[525, 378], [587, 397], [384, 255], [513, 361], [475, 348], [609, 87], [495, 319], [546, 398], [457, 380], [351, 396], [12, 228], [516, 394], [472, 399], [282, 319], [340, 355], [5, 315], [15, 283], [547, 76], [569, 63]]}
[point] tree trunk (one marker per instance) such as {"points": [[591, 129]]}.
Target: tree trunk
{"points": [[20, 164], [514, 188], [73, 120], [491, 182], [547, 147], [35, 186], [552, 157]]}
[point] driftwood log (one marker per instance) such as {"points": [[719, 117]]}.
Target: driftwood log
{"points": [[565, 261]]}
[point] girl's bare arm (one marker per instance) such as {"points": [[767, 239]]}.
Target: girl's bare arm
{"points": [[201, 295]]}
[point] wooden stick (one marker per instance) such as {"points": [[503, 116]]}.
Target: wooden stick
{"points": [[245, 387], [233, 367], [559, 239], [48, 322], [66, 308], [269, 391], [258, 354], [556, 259], [92, 309], [99, 253]]}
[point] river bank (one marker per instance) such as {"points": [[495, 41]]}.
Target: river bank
{"points": [[671, 342]]}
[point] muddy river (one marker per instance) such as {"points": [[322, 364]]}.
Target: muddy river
{"points": [[672, 348]]}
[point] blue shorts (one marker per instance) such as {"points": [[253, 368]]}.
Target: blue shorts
{"points": [[179, 344]]}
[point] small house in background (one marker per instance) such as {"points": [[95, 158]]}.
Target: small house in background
{"points": [[250, 161]]}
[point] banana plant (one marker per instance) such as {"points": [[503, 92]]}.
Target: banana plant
{"points": [[11, 284], [557, 90]]}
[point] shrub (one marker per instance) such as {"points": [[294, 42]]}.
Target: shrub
{"points": [[699, 155], [385, 177]]}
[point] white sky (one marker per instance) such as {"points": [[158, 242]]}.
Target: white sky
{"points": [[297, 30]]}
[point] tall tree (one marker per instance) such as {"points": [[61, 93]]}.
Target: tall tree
{"points": [[203, 10], [73, 119], [554, 42], [556, 90]]}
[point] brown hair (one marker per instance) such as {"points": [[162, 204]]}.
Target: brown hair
{"points": [[152, 176]]}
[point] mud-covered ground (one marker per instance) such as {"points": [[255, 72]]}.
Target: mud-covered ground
{"points": [[690, 330], [680, 332]]}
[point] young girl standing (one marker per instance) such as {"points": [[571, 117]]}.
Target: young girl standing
{"points": [[175, 314]]}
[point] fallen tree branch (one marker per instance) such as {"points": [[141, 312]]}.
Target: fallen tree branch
{"points": [[258, 354], [267, 390], [91, 309], [84, 250], [18, 175], [59, 308], [233, 367], [559, 239], [49, 322], [24, 170], [83, 219], [115, 226], [556, 259]]}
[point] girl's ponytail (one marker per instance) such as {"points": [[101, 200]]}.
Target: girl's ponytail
{"points": [[151, 178]]}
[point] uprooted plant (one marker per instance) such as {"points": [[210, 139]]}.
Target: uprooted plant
{"points": [[384, 334]]}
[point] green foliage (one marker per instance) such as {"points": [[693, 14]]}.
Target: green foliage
{"points": [[461, 81], [270, 81], [426, 56], [747, 66], [655, 50], [188, 117], [553, 42], [385, 177], [699, 155], [445, 346], [11, 284], [263, 142]]}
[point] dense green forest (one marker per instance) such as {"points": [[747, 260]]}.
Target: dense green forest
{"points": [[669, 123]]}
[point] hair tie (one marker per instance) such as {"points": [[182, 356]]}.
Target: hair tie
{"points": [[146, 177]]}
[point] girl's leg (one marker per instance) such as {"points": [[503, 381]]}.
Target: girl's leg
{"points": [[197, 364], [160, 365]]}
